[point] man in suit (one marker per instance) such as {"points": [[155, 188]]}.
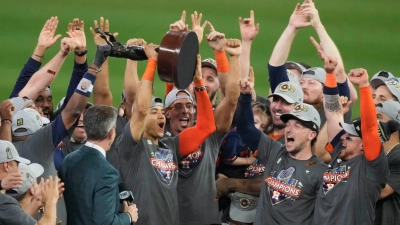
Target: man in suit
{"points": [[91, 182]]}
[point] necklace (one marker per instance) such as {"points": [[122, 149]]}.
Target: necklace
{"points": [[392, 148]]}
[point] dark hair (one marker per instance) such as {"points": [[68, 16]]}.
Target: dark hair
{"points": [[98, 121]]}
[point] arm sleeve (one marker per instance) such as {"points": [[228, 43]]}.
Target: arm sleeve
{"points": [[191, 138], [58, 130], [369, 127], [344, 89], [277, 75], [31, 67], [77, 75], [107, 192], [245, 122]]}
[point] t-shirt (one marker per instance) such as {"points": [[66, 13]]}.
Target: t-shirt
{"points": [[197, 190], [39, 148], [388, 209], [350, 188], [290, 186], [11, 212], [151, 173], [112, 155]]}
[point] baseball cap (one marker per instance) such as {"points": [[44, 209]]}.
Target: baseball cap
{"points": [[379, 78], [29, 174], [20, 103], [292, 77], [289, 91], [295, 66], [243, 207], [354, 128], [28, 120], [8, 153], [172, 97], [316, 73], [211, 63], [155, 101], [390, 108], [305, 113]]}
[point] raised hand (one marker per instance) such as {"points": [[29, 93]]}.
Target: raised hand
{"points": [[150, 51], [50, 189], [6, 109], [180, 24], [319, 48], [359, 77], [246, 85], [46, 37], [298, 19], [215, 39], [12, 180], [330, 64], [308, 9], [67, 45], [76, 31], [196, 25], [105, 27], [233, 47], [136, 42], [345, 103], [198, 74], [248, 29]]}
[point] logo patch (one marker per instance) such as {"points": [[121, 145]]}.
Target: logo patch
{"points": [[20, 121], [334, 176], [287, 87], [29, 177], [187, 164], [9, 154], [282, 186], [163, 162]]}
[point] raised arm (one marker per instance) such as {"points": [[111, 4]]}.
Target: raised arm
{"points": [[79, 99], [101, 92], [46, 40], [282, 47], [131, 79], [144, 96], [226, 108], [369, 129], [6, 108], [191, 138]]}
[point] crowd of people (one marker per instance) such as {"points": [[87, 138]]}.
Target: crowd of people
{"points": [[213, 153]]}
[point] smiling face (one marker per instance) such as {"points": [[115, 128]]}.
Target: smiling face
{"points": [[180, 114], [382, 94], [79, 134], [352, 146], [278, 107], [211, 81], [155, 123], [312, 90], [298, 137]]}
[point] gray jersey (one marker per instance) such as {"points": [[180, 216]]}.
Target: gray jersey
{"points": [[196, 185], [290, 186], [11, 212], [151, 173], [39, 148], [388, 209], [350, 189]]}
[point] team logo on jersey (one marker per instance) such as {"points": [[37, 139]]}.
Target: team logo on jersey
{"points": [[282, 186], [163, 162], [334, 176], [257, 168], [187, 165]]}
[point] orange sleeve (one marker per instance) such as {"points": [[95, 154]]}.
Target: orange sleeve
{"points": [[222, 62], [150, 69], [329, 148], [369, 125], [168, 87], [191, 138]]}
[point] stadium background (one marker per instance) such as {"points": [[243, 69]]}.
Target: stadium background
{"points": [[366, 32]]}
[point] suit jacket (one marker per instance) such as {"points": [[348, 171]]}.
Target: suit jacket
{"points": [[91, 189]]}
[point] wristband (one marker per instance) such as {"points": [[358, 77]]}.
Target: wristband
{"points": [[40, 56], [6, 120], [80, 54], [85, 87], [94, 69]]}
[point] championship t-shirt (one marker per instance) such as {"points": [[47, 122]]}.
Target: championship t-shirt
{"points": [[388, 209], [350, 188], [290, 186], [151, 173]]}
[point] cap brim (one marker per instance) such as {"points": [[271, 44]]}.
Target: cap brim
{"points": [[376, 82], [37, 169], [349, 128], [287, 98], [287, 116], [22, 160]]}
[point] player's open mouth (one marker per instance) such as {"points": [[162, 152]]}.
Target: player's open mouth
{"points": [[161, 125], [289, 139], [184, 122]]}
